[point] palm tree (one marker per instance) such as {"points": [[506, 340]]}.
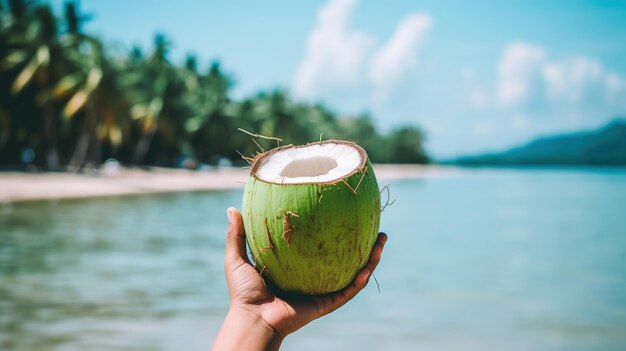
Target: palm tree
{"points": [[88, 89], [156, 90], [5, 37], [276, 116], [405, 145], [213, 121], [63, 93], [102, 102], [362, 131], [39, 59]]}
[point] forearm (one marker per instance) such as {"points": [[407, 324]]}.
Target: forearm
{"points": [[243, 330]]}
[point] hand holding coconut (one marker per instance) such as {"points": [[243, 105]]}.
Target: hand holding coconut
{"points": [[311, 216], [259, 320]]}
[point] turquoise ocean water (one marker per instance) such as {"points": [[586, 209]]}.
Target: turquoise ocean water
{"points": [[482, 259]]}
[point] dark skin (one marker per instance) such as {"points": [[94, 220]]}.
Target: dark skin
{"points": [[257, 318]]}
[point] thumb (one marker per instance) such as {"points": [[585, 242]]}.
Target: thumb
{"points": [[236, 239]]}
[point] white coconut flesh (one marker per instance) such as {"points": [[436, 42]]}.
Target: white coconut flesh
{"points": [[315, 163]]}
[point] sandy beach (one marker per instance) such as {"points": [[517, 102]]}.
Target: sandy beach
{"points": [[20, 186]]}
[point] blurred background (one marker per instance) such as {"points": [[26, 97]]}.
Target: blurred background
{"points": [[501, 124]]}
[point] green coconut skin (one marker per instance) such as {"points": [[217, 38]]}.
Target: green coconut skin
{"points": [[312, 238]]}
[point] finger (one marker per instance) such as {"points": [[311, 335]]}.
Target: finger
{"points": [[377, 252], [365, 273], [236, 239], [329, 303], [340, 298]]}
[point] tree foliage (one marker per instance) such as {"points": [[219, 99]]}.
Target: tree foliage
{"points": [[69, 101]]}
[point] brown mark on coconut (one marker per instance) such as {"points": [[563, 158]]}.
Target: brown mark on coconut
{"points": [[268, 236], [288, 227]]}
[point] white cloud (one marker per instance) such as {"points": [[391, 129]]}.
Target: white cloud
{"points": [[526, 76], [614, 82], [399, 55], [569, 80], [517, 70], [579, 81], [335, 52], [339, 59], [616, 88]]}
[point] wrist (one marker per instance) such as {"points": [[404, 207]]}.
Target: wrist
{"points": [[243, 329]]}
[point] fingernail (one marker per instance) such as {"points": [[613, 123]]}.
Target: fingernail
{"points": [[383, 239], [229, 213]]}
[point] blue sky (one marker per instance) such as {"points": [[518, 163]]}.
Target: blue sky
{"points": [[475, 77]]}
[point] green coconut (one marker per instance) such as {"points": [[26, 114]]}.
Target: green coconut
{"points": [[311, 215]]}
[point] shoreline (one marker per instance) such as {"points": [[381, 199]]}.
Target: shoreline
{"points": [[22, 186]]}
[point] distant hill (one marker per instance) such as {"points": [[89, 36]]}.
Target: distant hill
{"points": [[603, 147]]}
